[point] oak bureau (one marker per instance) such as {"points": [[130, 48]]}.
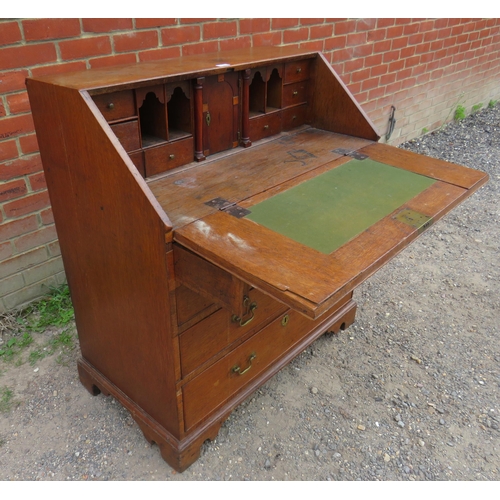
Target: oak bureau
{"points": [[215, 214]]}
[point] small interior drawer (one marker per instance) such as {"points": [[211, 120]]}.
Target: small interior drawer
{"points": [[137, 158], [265, 125], [167, 156], [294, 93], [294, 116], [225, 329], [128, 134], [116, 105], [296, 71]]}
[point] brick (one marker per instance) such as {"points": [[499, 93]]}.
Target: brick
{"points": [[23, 56], [200, 48], [219, 30], [266, 39], [9, 33], [9, 230], [36, 238], [416, 39], [376, 35], [345, 27], [46, 29], [11, 284], [12, 190], [400, 42], [154, 23], [3, 111], [391, 55], [197, 20], [382, 46], [21, 262], [113, 60], [54, 248], [313, 45], [291, 36], [323, 31], [250, 26], [12, 81], [395, 32], [43, 271], [343, 55], [18, 103], [279, 24], [8, 150], [26, 205], [20, 166], [236, 43], [379, 70], [411, 29], [28, 144], [58, 68], [366, 24], [356, 38], [354, 65], [23, 297], [359, 76], [336, 42], [105, 25], [180, 35], [85, 47], [440, 23], [138, 40], [160, 54], [396, 65], [6, 251], [383, 22], [47, 216], [370, 83], [374, 60], [310, 20], [37, 181], [430, 36], [13, 126], [362, 50]]}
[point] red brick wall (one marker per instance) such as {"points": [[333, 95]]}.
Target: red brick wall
{"points": [[424, 67]]}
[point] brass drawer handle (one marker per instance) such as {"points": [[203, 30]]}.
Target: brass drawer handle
{"points": [[266, 127], [172, 157], [111, 105], [299, 70], [237, 369], [295, 92], [250, 310]]}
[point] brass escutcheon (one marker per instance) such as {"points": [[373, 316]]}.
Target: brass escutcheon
{"points": [[285, 320]]}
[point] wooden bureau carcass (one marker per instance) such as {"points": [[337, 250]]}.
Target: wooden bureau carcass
{"points": [[215, 214]]}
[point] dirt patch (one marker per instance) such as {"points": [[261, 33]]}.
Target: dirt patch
{"points": [[409, 392]]}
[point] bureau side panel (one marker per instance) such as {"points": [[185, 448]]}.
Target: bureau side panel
{"points": [[334, 107], [112, 239]]}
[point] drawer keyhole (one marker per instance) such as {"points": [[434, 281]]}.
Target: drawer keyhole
{"points": [[285, 320]]}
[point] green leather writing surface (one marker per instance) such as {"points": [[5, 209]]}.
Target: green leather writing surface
{"points": [[329, 210]]}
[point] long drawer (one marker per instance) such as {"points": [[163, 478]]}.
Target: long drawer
{"points": [[225, 378]]}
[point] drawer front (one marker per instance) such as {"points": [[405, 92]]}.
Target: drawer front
{"points": [[128, 134], [297, 71], [209, 337], [265, 126], [230, 374], [167, 156], [294, 117], [117, 105], [295, 93]]}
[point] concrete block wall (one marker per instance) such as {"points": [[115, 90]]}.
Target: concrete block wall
{"points": [[422, 67]]}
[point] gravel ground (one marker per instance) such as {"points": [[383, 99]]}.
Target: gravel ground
{"points": [[409, 393]]}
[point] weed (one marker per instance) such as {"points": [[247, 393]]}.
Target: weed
{"points": [[63, 340], [55, 310], [492, 103], [6, 399], [425, 130], [14, 345], [459, 113], [477, 107]]}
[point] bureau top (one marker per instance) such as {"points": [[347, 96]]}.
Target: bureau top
{"points": [[103, 80]]}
